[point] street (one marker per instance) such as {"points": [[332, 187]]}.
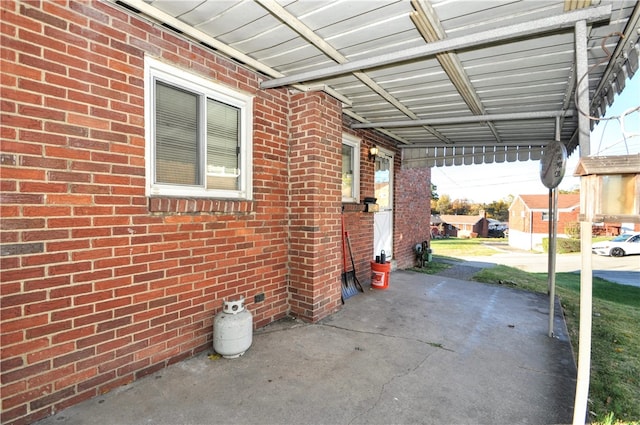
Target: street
{"points": [[623, 270]]}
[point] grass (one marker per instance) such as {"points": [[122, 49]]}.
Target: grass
{"points": [[455, 247], [432, 267], [614, 391]]}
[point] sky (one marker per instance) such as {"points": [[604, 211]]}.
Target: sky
{"points": [[485, 183]]}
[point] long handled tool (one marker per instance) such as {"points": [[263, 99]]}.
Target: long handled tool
{"points": [[354, 279], [350, 283]]}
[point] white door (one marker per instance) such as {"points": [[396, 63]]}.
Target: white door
{"points": [[383, 220]]}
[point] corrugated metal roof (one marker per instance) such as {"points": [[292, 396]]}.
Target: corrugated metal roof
{"points": [[507, 57]]}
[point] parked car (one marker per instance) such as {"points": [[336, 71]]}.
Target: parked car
{"points": [[625, 244]]}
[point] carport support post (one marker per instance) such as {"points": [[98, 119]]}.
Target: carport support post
{"points": [[553, 233], [586, 278], [553, 224]]}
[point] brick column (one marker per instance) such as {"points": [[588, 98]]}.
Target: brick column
{"points": [[315, 200]]}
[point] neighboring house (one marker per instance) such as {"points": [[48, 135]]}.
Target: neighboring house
{"points": [[145, 178], [437, 227], [614, 229], [529, 219], [606, 229], [465, 226]]}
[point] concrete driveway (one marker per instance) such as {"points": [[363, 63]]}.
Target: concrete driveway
{"points": [[428, 350], [623, 270]]}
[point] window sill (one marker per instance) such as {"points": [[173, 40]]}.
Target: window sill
{"points": [[193, 205]]}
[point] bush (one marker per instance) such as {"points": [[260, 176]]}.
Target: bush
{"points": [[563, 245], [572, 230]]}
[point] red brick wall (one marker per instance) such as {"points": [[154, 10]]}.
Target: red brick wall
{"points": [[412, 209], [102, 285], [540, 226], [564, 218], [518, 220], [412, 213], [316, 189], [359, 224], [533, 222]]}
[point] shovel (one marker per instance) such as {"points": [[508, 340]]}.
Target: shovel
{"points": [[350, 283]]}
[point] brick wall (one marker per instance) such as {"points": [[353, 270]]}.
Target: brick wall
{"points": [[532, 222], [519, 219], [316, 189], [540, 226], [102, 285], [412, 207], [358, 223], [412, 212], [564, 218]]}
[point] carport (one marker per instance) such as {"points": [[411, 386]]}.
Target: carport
{"points": [[451, 82], [159, 157]]}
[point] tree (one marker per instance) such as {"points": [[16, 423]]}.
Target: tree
{"points": [[498, 210], [434, 193], [460, 207], [441, 205], [474, 209], [574, 189]]}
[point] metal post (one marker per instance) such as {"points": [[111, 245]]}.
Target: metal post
{"points": [[550, 250], [586, 278], [553, 231]]}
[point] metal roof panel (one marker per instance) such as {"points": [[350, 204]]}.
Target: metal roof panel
{"points": [[526, 74]]}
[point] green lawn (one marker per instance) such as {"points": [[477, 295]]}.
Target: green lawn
{"points": [[432, 267], [614, 392], [453, 247]]}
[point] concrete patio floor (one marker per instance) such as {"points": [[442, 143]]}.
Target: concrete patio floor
{"points": [[430, 349]]}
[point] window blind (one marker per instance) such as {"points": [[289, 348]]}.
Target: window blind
{"points": [[223, 141], [176, 136]]}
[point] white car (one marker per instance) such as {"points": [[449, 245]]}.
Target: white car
{"points": [[625, 244]]}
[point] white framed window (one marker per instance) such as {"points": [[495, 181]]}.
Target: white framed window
{"points": [[198, 135], [350, 169]]}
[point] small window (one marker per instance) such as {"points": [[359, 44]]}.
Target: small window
{"points": [[545, 216], [350, 169], [198, 136]]}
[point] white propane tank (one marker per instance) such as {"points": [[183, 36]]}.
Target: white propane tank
{"points": [[232, 329]]}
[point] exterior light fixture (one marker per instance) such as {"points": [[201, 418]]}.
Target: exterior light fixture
{"points": [[373, 152]]}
